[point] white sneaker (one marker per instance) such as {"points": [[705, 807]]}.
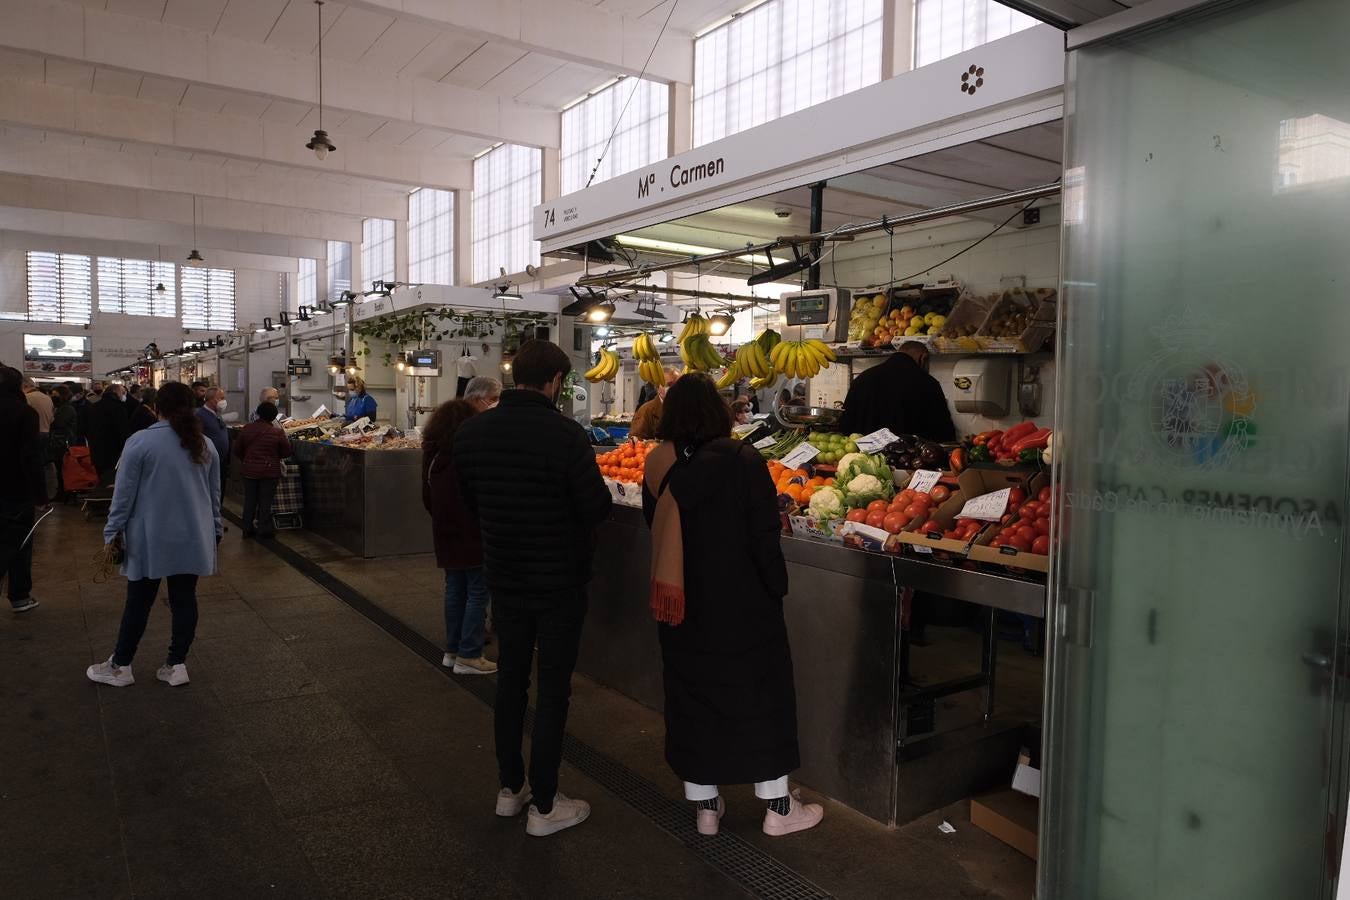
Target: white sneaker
{"points": [[477, 666], [448, 660], [565, 814], [24, 605], [110, 673], [174, 675], [510, 805]]}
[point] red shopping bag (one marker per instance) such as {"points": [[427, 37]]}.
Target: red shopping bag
{"points": [[77, 470]]}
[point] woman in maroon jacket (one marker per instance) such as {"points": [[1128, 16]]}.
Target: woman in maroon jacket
{"points": [[261, 447], [459, 544]]}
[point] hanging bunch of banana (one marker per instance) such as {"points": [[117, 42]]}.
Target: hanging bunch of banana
{"points": [[801, 359], [699, 355], [750, 362], [767, 340], [650, 369], [693, 325], [605, 369]]}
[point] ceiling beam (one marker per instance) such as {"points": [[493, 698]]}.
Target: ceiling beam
{"points": [[171, 236], [896, 196], [49, 107], [133, 44], [42, 155], [55, 195], [564, 29]]}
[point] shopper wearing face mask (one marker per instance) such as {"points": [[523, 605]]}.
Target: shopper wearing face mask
{"points": [[109, 425], [211, 415], [483, 391]]}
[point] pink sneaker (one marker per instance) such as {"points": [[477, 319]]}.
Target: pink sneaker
{"points": [[710, 819], [800, 816]]}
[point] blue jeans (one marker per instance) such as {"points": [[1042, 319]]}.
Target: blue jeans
{"points": [[466, 602]]}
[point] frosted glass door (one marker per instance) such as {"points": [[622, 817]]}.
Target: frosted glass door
{"points": [[1193, 736]]}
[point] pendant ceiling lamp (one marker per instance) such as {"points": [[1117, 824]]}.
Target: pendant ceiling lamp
{"points": [[320, 143], [195, 259]]}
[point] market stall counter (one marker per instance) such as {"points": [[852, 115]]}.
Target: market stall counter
{"points": [[368, 501], [843, 614]]}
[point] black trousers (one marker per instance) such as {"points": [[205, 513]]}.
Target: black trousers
{"points": [[140, 599], [258, 496], [16, 562], [555, 629]]}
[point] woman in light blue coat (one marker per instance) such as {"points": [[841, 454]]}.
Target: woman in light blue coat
{"points": [[166, 512]]}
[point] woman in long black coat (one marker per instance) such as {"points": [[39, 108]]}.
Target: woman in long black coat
{"points": [[731, 710]]}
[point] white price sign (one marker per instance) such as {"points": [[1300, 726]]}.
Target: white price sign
{"points": [[874, 442], [804, 453], [924, 480], [987, 508], [765, 442]]}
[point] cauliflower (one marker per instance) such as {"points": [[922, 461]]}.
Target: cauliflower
{"points": [[826, 503], [863, 489]]}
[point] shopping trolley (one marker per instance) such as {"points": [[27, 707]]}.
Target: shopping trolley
{"points": [[289, 500]]}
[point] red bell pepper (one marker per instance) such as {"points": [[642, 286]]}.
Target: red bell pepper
{"points": [[1036, 440], [1017, 432]]}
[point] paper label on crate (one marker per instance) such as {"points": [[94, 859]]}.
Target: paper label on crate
{"points": [[871, 533], [762, 443], [874, 442], [800, 456], [924, 480], [988, 507], [321, 412], [920, 548]]}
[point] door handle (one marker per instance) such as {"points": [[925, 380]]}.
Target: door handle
{"points": [[1317, 660]]}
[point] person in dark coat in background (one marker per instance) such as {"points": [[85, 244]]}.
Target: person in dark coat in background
{"points": [[530, 475], [731, 709], [146, 412], [211, 414], [261, 447], [109, 426], [900, 395], [22, 489], [456, 537]]}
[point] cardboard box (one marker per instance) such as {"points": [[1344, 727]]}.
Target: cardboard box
{"points": [[1008, 556], [815, 530], [945, 515], [1010, 816]]}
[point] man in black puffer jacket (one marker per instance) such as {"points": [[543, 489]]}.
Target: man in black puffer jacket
{"points": [[529, 474]]}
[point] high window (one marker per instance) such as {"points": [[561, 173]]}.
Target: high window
{"points": [[782, 56], [60, 288], [377, 250], [339, 268], [642, 137], [128, 286], [208, 299], [431, 236], [506, 187], [944, 28]]}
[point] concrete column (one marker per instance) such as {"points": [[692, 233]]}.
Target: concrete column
{"points": [[551, 172], [401, 247], [681, 118], [897, 38], [463, 237]]}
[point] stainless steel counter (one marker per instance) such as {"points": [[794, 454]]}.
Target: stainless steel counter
{"points": [[843, 617], [368, 501]]}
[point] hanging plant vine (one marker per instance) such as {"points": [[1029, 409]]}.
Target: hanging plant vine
{"points": [[443, 324]]}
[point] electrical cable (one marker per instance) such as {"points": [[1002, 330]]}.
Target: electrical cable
{"points": [[997, 228], [636, 84]]}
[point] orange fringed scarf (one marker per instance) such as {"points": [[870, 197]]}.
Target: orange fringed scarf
{"points": [[667, 586]]}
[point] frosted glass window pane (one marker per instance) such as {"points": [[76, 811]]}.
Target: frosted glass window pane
{"points": [[781, 57], [431, 236], [506, 187], [945, 28]]}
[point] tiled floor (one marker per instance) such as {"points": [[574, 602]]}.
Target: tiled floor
{"points": [[313, 755]]}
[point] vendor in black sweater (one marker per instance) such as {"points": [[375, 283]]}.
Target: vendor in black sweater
{"points": [[900, 395]]}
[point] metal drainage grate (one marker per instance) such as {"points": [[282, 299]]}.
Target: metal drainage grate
{"points": [[744, 863]]}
